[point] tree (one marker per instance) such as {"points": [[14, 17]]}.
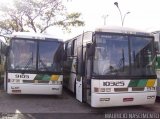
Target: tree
{"points": [[37, 15]]}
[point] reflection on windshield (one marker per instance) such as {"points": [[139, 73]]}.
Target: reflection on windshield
{"points": [[142, 60], [50, 56], [112, 54], [23, 55]]}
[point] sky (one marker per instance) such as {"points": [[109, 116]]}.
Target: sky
{"points": [[144, 15]]}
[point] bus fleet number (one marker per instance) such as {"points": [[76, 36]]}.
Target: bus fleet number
{"points": [[21, 76], [119, 83]]}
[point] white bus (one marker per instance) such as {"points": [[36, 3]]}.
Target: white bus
{"points": [[157, 44], [34, 64], [111, 66]]}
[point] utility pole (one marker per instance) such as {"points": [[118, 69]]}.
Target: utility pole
{"points": [[122, 17], [104, 19]]}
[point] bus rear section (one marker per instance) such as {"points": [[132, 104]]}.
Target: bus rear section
{"points": [[34, 65]]}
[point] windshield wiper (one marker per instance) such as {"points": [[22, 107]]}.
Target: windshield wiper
{"points": [[122, 61]]}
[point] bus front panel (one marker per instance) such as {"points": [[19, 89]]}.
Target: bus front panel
{"points": [[108, 93], [34, 84]]}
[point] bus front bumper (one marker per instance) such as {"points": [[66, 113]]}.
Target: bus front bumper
{"points": [[34, 89], [122, 99]]}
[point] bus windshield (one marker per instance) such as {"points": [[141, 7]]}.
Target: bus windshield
{"points": [[22, 55], [50, 57], [123, 55], [35, 55]]}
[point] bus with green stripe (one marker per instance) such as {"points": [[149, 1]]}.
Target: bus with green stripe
{"points": [[157, 45], [111, 66], [34, 64]]}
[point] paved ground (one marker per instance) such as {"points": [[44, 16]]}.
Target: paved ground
{"points": [[65, 106]]}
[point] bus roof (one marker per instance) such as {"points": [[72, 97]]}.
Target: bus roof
{"points": [[124, 30], [156, 32], [31, 35]]}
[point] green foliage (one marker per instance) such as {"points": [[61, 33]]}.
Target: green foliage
{"points": [[37, 15], [71, 20]]}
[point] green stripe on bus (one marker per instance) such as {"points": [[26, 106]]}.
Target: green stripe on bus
{"points": [[46, 77], [133, 83], [38, 77], [137, 83], [42, 77], [142, 83]]}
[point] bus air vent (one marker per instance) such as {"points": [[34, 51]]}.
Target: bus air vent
{"points": [[137, 88], [120, 89], [35, 81]]}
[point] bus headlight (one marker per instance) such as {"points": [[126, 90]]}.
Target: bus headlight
{"points": [[14, 80], [56, 82], [96, 89], [102, 89], [151, 88], [108, 89]]}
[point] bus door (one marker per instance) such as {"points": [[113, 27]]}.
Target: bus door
{"points": [[79, 88], [79, 74]]}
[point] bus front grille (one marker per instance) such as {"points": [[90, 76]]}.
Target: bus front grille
{"points": [[137, 88], [120, 89]]}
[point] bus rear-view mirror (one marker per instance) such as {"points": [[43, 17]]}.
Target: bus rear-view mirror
{"points": [[90, 50]]}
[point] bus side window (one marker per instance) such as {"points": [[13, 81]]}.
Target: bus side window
{"points": [[65, 52], [88, 67], [79, 56], [89, 55]]}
